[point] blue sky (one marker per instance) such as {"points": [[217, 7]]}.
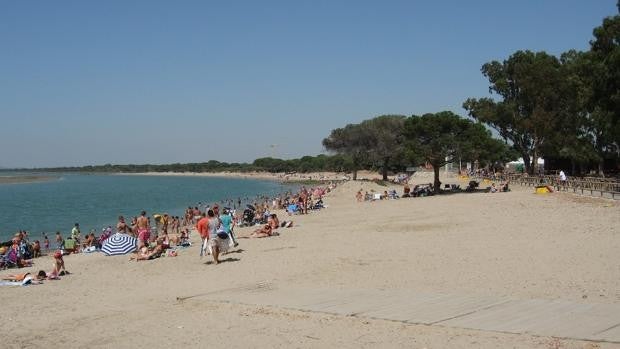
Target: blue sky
{"points": [[95, 82]]}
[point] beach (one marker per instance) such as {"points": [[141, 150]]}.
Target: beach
{"points": [[514, 245]]}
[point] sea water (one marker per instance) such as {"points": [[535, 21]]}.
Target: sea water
{"points": [[96, 200]]}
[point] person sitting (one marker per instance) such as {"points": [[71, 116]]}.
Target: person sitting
{"points": [[493, 188], [359, 196], [71, 245], [273, 221], [503, 187], [89, 241], [144, 254], [58, 266], [263, 232]]}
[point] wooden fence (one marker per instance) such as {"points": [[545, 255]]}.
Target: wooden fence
{"points": [[593, 186]]}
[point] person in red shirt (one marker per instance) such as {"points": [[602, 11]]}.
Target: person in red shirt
{"points": [[203, 229]]}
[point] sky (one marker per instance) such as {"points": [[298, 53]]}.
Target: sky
{"points": [[93, 82]]}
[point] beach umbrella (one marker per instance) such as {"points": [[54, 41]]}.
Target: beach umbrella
{"points": [[119, 244], [251, 207]]}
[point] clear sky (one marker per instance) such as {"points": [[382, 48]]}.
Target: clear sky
{"points": [[94, 82]]}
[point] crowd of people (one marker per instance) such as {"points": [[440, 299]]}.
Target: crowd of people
{"points": [[163, 232]]}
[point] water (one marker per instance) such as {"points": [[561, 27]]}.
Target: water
{"points": [[96, 201]]}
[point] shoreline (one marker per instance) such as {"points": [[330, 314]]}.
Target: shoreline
{"points": [[280, 176], [26, 179]]}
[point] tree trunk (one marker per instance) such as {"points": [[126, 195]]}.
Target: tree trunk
{"points": [[527, 164], [355, 174], [384, 170], [601, 168], [436, 183]]}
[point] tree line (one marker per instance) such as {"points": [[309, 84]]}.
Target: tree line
{"points": [[565, 107], [540, 105], [305, 164]]}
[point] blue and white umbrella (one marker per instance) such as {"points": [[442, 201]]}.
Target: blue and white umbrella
{"points": [[119, 244]]}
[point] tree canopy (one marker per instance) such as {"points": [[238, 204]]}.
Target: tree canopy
{"points": [[444, 137], [566, 107]]}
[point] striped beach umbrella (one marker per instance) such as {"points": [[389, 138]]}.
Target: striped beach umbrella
{"points": [[119, 244]]}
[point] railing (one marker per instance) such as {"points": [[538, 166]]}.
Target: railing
{"points": [[594, 186]]}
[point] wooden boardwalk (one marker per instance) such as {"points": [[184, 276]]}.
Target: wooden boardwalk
{"points": [[557, 318]]}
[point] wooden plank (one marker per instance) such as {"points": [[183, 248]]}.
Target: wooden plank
{"points": [[532, 316]]}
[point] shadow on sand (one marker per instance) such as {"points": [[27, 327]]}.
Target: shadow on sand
{"points": [[229, 259]]}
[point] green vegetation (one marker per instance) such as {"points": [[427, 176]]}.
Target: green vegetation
{"points": [[335, 163], [444, 137], [374, 143], [566, 107]]}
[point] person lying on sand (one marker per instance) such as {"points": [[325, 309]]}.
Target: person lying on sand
{"points": [[41, 275], [144, 254]]}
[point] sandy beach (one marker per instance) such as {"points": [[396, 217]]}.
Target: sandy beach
{"points": [[517, 245]]}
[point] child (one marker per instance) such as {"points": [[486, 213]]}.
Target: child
{"points": [[46, 243]]}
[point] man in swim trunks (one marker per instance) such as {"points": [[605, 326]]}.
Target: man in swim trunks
{"points": [[144, 230]]}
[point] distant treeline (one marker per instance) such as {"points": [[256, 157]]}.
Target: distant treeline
{"points": [[331, 163]]}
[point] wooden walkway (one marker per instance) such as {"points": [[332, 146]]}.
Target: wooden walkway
{"points": [[556, 318]]}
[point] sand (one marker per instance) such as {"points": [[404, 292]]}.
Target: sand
{"points": [[516, 244]]}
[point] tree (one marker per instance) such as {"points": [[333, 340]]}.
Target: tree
{"points": [[379, 140], [533, 94], [605, 101], [351, 140], [385, 141], [443, 137]]}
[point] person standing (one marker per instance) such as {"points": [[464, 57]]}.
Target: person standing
{"points": [[202, 228], [75, 233], [216, 243], [121, 226], [562, 178], [228, 225], [60, 242], [46, 243], [144, 230]]}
